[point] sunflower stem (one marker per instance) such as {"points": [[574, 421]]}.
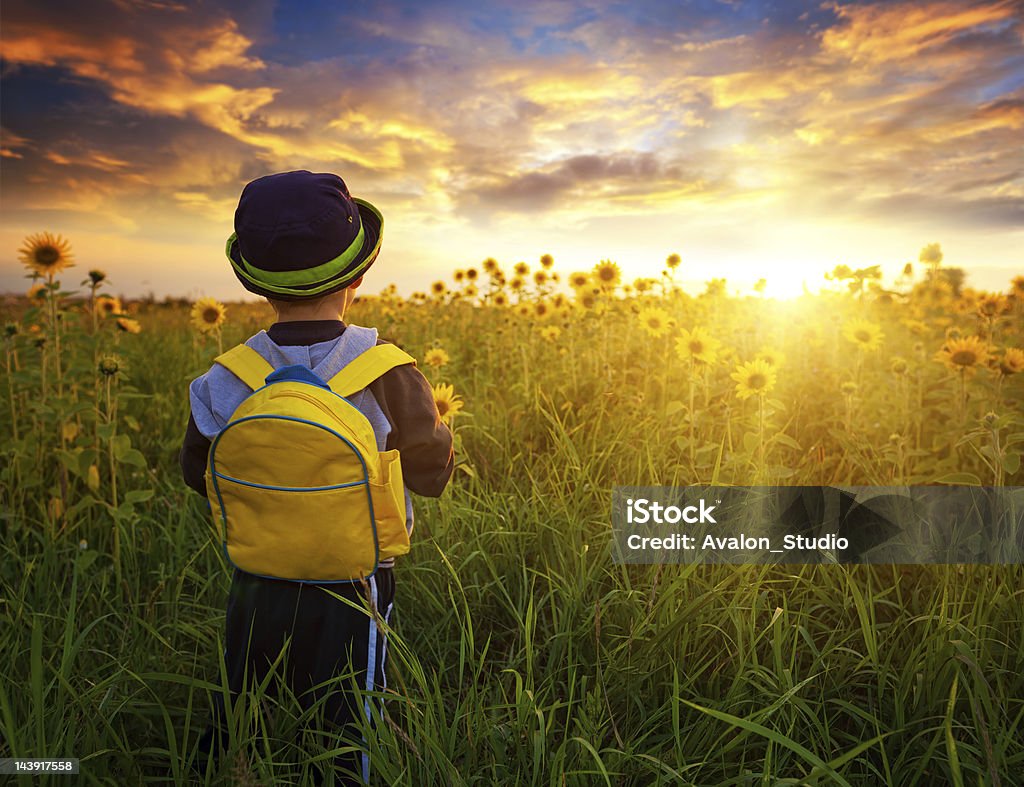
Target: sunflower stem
{"points": [[10, 390], [997, 456], [692, 419], [113, 477], [760, 438], [52, 302]]}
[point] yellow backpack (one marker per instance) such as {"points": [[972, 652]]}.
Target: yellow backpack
{"points": [[295, 478]]}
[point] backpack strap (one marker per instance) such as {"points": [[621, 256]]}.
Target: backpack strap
{"points": [[246, 364], [367, 367]]}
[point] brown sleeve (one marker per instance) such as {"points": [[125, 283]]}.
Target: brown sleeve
{"points": [[193, 457], [423, 441]]}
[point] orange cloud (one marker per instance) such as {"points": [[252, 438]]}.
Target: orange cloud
{"points": [[883, 32]]}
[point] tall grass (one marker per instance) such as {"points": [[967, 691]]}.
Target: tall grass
{"points": [[519, 653]]}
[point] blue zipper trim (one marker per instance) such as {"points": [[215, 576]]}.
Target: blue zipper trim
{"points": [[288, 488]]}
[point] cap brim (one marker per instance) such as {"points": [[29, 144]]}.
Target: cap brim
{"points": [[373, 231]]}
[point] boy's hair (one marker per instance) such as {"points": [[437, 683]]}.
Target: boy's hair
{"points": [[307, 303], [314, 302]]}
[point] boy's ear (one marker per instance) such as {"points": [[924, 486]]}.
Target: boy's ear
{"points": [[356, 283]]}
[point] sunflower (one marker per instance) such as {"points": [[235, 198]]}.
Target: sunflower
{"points": [[754, 378], [642, 285], [607, 274], [541, 309], [578, 280], [472, 274], [110, 365], [521, 268], [96, 276], [500, 299], [460, 275], [517, 283], [672, 261], [46, 254], [108, 305], [490, 265], [547, 260], [523, 310], [208, 315], [916, 327], [586, 299], [37, 292], [991, 305], [697, 346], [773, 358], [128, 325], [470, 291], [438, 288], [898, 366], [866, 335], [446, 401], [962, 355], [550, 332], [540, 277], [654, 321], [1017, 285], [435, 357], [1012, 361]]}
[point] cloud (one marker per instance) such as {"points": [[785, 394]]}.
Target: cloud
{"points": [[586, 182], [454, 110], [901, 32]]}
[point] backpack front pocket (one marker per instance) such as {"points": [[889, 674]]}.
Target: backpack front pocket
{"points": [[332, 540]]}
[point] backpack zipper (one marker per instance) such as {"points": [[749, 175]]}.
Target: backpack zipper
{"points": [[324, 409]]}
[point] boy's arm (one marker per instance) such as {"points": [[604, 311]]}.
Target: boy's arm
{"points": [[423, 441], [193, 457]]}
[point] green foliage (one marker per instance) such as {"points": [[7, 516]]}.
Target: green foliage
{"points": [[519, 653]]}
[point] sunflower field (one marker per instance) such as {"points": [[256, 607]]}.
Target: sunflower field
{"points": [[519, 652]]}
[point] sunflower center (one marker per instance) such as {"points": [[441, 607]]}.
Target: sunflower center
{"points": [[696, 347], [607, 274], [653, 323], [210, 314], [964, 358], [47, 255], [862, 336], [442, 407], [757, 381]]}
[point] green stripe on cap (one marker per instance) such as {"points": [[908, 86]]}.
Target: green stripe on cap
{"points": [[311, 281]]}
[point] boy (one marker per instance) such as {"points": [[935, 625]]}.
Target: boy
{"points": [[304, 243]]}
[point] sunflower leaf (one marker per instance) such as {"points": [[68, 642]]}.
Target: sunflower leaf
{"points": [[959, 478]]}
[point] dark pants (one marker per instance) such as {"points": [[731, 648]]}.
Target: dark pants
{"points": [[328, 639]]}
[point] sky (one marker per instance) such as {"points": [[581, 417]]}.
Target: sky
{"points": [[755, 139]]}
